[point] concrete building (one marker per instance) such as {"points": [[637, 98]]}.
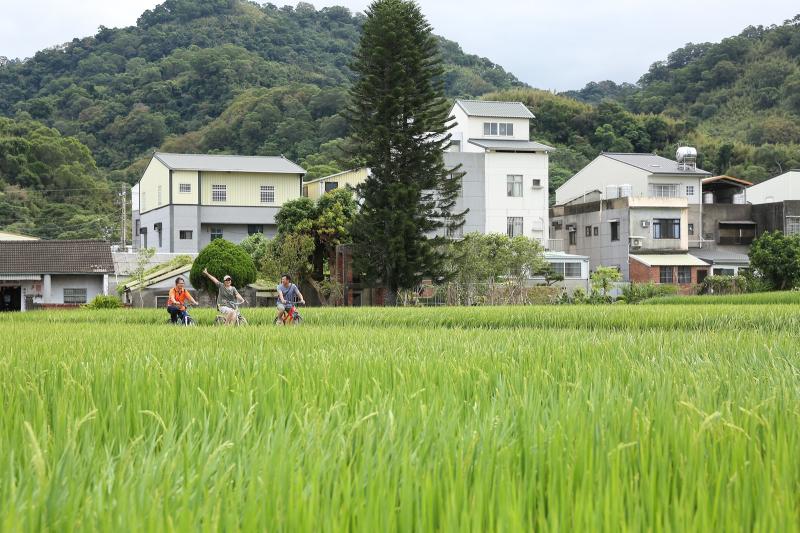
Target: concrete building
{"points": [[183, 201], [506, 175], [776, 203], [349, 178], [777, 189], [37, 273], [655, 219]]}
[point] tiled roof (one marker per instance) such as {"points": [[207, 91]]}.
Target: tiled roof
{"points": [[655, 164], [55, 257], [486, 108], [229, 163]]}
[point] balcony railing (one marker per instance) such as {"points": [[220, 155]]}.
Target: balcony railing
{"points": [[552, 245]]}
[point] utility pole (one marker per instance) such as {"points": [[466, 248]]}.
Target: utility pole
{"points": [[123, 195]]}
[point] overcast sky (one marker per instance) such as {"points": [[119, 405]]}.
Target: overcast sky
{"points": [[549, 44]]}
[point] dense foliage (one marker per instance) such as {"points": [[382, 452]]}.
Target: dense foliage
{"points": [[50, 186], [222, 258], [776, 257]]}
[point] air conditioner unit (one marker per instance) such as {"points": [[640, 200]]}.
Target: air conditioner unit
{"points": [[636, 243], [645, 223]]}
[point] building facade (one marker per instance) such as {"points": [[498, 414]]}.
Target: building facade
{"points": [[314, 189], [505, 174], [36, 274], [183, 201]]}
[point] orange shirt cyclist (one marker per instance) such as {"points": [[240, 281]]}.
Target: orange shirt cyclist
{"points": [[176, 303]]}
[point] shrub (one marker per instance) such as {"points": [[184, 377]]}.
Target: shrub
{"points": [[638, 292], [104, 302], [222, 257]]}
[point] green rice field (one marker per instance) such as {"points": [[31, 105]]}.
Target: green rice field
{"points": [[563, 418]]}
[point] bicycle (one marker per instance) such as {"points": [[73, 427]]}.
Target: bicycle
{"points": [[290, 316], [240, 319], [187, 319]]}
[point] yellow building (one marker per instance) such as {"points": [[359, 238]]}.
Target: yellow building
{"points": [[315, 188], [5, 236], [184, 201]]}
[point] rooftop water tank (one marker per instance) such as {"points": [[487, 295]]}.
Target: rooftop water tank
{"points": [[685, 152], [612, 191], [625, 191]]}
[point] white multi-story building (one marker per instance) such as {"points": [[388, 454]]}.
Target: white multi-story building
{"points": [[505, 173]]}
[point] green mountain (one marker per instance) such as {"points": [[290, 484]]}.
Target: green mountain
{"points": [[195, 75], [740, 98]]}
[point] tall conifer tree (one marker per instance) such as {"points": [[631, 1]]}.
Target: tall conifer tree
{"points": [[400, 121]]}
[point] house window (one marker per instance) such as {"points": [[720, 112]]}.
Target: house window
{"points": [[513, 185], [74, 296], [572, 270], [505, 129], [185, 234], [690, 190], [219, 193], [185, 187], [252, 229], [159, 195], [573, 237], [588, 231], [665, 275], [792, 225], [536, 183], [216, 233], [690, 228], [143, 233], [596, 231], [331, 185], [157, 227], [723, 272], [514, 226], [667, 228], [267, 194], [136, 228], [684, 274], [664, 190], [615, 230]]}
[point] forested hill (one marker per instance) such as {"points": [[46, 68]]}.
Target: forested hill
{"points": [[743, 92], [282, 73], [191, 75]]}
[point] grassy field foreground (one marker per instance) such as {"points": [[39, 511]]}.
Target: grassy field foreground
{"points": [[569, 418]]}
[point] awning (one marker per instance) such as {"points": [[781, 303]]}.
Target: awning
{"points": [[652, 260], [736, 223]]}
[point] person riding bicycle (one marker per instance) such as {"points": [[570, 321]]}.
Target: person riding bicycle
{"points": [[228, 298], [288, 294], [176, 303]]}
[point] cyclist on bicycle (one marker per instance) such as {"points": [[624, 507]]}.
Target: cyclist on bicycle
{"points": [[288, 294], [228, 298], [176, 303]]}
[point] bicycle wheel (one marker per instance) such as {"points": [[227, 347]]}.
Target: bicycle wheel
{"points": [[297, 320], [242, 321]]}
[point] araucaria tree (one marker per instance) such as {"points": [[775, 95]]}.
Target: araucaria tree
{"points": [[400, 122]]}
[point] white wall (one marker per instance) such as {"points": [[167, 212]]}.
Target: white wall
{"points": [[93, 283], [600, 172], [474, 130], [532, 206], [780, 188]]}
